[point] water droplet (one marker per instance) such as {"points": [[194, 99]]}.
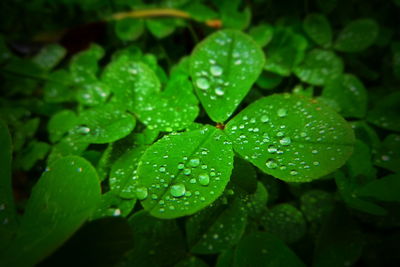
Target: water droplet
{"points": [[315, 163], [272, 149], [203, 83], [177, 190], [314, 151], [204, 179], [385, 158], [264, 118], [285, 141], [219, 91], [194, 162], [162, 169], [271, 164], [141, 193], [216, 70], [192, 181], [187, 171], [293, 172], [282, 112], [181, 166]]}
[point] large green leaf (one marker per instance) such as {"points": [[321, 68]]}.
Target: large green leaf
{"points": [[223, 68], [65, 196], [291, 137], [184, 172], [357, 35], [319, 67], [216, 228], [318, 28], [384, 189], [8, 221], [264, 249], [349, 93]]}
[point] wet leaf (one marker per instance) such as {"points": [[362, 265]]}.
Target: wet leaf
{"points": [[223, 67], [181, 182], [318, 29], [291, 137]]}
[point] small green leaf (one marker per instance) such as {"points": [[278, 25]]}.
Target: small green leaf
{"points": [[112, 205], [49, 56], [8, 223], [264, 249], [256, 202], [93, 93], [291, 137], [56, 200], [340, 242], [60, 123], [357, 36], [349, 93], [57, 88], [103, 124], [223, 67], [232, 17], [33, 152], [284, 221], [123, 175], [384, 189], [129, 29], [244, 175], [316, 205], [318, 29], [217, 228], [360, 162], [284, 52], [262, 34], [162, 27], [388, 155], [319, 67], [84, 65], [269, 80], [178, 182], [385, 113]]}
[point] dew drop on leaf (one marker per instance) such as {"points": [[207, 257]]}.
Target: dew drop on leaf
{"points": [[141, 193], [194, 162], [271, 163], [285, 141], [178, 190], [282, 112], [203, 83], [219, 91], [216, 70], [204, 179]]}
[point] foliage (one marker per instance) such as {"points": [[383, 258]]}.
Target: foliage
{"points": [[199, 133]]}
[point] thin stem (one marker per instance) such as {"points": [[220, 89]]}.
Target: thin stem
{"points": [[168, 12]]}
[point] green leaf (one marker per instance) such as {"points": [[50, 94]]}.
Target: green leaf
{"points": [[60, 123], [318, 29], [347, 188], [216, 228], [385, 113], [319, 67], [33, 152], [264, 249], [357, 35], [93, 93], [57, 88], [129, 29], [84, 65], [262, 34], [137, 88], [123, 174], [226, 258], [56, 201], [388, 155], [191, 262], [244, 175], [291, 137], [178, 182], [256, 202], [284, 52], [360, 162], [8, 222], [102, 124], [50, 56], [340, 242], [316, 205], [349, 93], [232, 17], [284, 221], [269, 80], [384, 189], [223, 67], [162, 27], [112, 205], [156, 242]]}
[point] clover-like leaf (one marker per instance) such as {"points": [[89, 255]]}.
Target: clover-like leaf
{"points": [[103, 124], [357, 35], [184, 172], [385, 113], [291, 137], [388, 155], [318, 29], [264, 249], [64, 197], [349, 93], [216, 228], [223, 67], [319, 67]]}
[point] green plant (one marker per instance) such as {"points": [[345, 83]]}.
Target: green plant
{"points": [[199, 133]]}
